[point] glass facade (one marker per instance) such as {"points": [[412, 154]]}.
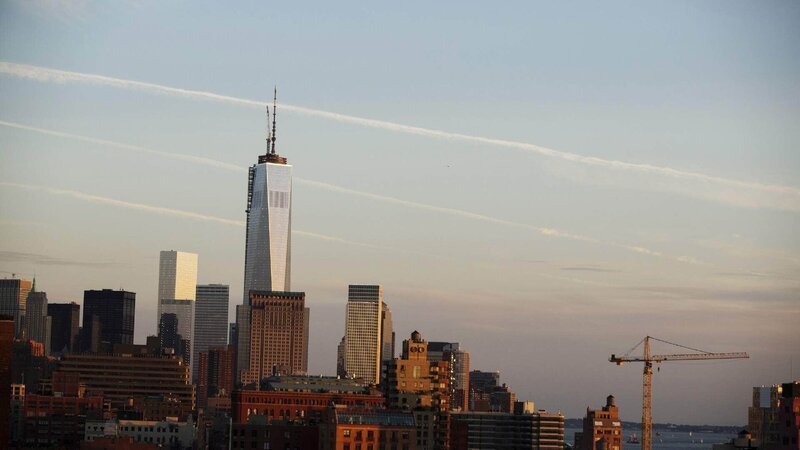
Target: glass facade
{"points": [[269, 217]]}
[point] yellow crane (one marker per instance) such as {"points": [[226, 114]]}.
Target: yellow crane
{"points": [[647, 375]]}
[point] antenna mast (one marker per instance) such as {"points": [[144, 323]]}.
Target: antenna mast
{"points": [[274, 115]]}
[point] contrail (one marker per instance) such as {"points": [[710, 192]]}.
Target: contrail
{"points": [[134, 148], [549, 232], [196, 216], [45, 74], [123, 204], [207, 218]]}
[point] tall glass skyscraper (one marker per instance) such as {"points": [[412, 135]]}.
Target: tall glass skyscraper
{"points": [[177, 290], [267, 257], [269, 218]]}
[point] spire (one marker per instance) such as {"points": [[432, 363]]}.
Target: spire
{"points": [[274, 115], [269, 135]]}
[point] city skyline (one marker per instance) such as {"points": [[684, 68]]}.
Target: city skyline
{"points": [[668, 208]]}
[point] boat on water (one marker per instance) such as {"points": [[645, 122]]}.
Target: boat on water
{"points": [[632, 439]]}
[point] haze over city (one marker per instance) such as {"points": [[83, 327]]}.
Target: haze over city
{"points": [[544, 183]]}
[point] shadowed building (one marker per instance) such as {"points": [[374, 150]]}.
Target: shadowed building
{"points": [[65, 322], [210, 320], [215, 374], [37, 322], [504, 431], [459, 371], [13, 300], [6, 352], [108, 317], [120, 378]]}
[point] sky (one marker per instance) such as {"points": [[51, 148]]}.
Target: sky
{"points": [[545, 183]]}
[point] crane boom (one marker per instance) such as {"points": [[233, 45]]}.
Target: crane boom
{"points": [[647, 376], [679, 357]]}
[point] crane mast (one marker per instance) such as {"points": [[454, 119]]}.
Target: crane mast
{"points": [[647, 375]]}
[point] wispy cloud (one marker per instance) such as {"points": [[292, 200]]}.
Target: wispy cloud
{"points": [[543, 231], [757, 194], [45, 260]]}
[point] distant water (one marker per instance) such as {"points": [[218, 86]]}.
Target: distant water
{"points": [[669, 440]]}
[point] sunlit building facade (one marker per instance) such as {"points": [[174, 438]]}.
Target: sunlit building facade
{"points": [[177, 291], [267, 258], [369, 335]]}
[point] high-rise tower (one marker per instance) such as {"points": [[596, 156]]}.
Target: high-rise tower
{"points": [[267, 257], [177, 290], [369, 338], [269, 217]]}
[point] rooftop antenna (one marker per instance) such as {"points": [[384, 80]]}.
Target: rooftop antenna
{"points": [[269, 135], [274, 115]]}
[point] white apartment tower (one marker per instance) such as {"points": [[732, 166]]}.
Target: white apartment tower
{"points": [[267, 259], [369, 336], [177, 290]]}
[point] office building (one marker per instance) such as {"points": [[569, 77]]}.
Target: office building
{"points": [[37, 322], [268, 235], [210, 320], [13, 300], [369, 335], [506, 431], [487, 394], [127, 376], [170, 340], [65, 322], [278, 330], [177, 276], [459, 371], [177, 290], [269, 213], [108, 318], [601, 428]]}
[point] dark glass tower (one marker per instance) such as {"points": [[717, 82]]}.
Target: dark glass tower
{"points": [[113, 311], [64, 329]]}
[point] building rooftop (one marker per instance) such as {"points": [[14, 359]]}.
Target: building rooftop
{"points": [[314, 384], [385, 418]]}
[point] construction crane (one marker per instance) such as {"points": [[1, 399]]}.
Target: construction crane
{"points": [[647, 375]]}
